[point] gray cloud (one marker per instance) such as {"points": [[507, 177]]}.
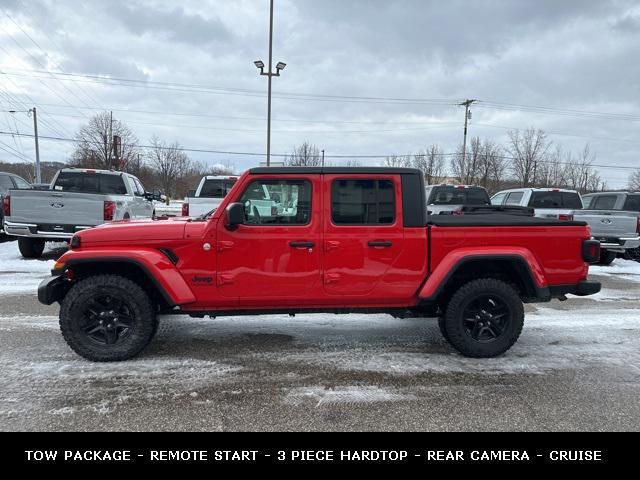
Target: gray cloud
{"points": [[579, 55]]}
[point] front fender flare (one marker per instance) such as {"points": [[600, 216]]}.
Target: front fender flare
{"points": [[156, 266]]}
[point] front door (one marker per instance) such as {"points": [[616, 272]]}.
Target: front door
{"points": [[275, 254], [363, 232]]}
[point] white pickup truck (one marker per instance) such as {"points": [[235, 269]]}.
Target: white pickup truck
{"points": [[76, 199], [617, 230], [209, 194]]}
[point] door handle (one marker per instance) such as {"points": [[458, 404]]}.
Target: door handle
{"points": [[331, 245], [302, 244], [380, 243]]}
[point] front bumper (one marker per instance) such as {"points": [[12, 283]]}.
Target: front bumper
{"points": [[580, 289], [52, 289], [42, 231]]}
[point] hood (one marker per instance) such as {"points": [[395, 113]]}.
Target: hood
{"points": [[135, 231]]}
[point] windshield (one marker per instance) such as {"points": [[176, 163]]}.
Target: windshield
{"points": [[459, 196]]}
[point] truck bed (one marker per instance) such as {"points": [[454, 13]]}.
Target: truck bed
{"points": [[498, 220]]}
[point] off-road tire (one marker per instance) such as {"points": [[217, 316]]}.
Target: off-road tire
{"points": [[143, 326], [30, 247], [607, 257], [442, 328], [456, 327]]}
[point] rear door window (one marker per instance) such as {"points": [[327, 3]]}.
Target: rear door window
{"points": [[216, 188], [514, 198], [362, 202], [498, 199], [21, 184], [586, 201]]}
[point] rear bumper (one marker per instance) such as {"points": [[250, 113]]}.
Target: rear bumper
{"points": [[51, 290], [619, 244], [580, 289], [34, 231]]}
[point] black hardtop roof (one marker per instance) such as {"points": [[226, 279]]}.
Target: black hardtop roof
{"points": [[334, 170]]}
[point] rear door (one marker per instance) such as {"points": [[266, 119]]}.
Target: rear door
{"points": [[363, 231], [275, 254]]}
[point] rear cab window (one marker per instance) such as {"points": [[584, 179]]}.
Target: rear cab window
{"points": [[216, 188], [363, 202], [452, 195], [90, 182], [555, 199], [604, 202]]}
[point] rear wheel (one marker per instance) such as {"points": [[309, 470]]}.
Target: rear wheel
{"points": [[30, 247], [632, 254], [107, 318], [484, 318], [607, 257]]}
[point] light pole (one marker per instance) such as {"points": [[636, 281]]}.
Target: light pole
{"points": [[270, 73]]}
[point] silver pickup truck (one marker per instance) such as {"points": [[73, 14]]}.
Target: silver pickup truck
{"points": [[617, 230], [76, 199], [615, 221]]}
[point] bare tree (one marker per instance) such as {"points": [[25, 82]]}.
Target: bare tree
{"points": [[95, 148], [397, 161], [466, 168], [491, 167], [305, 155], [431, 163], [634, 181], [529, 150], [169, 163]]}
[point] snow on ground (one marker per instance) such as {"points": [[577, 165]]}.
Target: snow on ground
{"points": [[621, 268], [348, 394], [19, 275]]}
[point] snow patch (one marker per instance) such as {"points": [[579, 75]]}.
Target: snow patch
{"points": [[344, 394], [627, 269], [20, 275]]}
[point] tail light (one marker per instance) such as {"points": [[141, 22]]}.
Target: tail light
{"points": [[6, 206], [566, 217], [109, 210], [591, 251], [637, 225], [185, 209]]}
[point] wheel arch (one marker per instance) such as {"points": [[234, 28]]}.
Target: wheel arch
{"points": [[513, 268]]}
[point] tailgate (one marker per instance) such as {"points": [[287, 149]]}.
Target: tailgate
{"points": [[552, 212], [608, 224], [45, 207]]}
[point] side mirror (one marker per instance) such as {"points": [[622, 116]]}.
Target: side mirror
{"points": [[235, 215], [157, 194]]}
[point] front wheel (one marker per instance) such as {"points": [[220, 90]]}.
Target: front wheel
{"points": [[484, 318], [107, 318]]}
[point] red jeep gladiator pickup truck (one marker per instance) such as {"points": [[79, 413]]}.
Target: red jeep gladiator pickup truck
{"points": [[303, 239]]}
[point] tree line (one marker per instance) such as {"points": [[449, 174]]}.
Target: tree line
{"points": [[528, 159]]}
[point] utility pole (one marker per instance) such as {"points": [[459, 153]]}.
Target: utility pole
{"points": [[270, 73], [110, 140], [35, 132], [467, 103], [323, 157]]}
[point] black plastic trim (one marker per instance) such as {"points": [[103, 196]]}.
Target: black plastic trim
{"points": [[130, 261], [51, 290], [522, 269], [414, 212], [331, 170], [171, 255], [580, 289]]}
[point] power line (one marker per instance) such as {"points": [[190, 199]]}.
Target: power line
{"points": [[256, 154]]}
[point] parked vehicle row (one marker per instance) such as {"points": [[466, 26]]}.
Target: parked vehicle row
{"points": [[77, 199], [208, 195], [10, 181]]}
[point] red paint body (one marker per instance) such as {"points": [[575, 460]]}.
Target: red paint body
{"points": [[254, 267]]}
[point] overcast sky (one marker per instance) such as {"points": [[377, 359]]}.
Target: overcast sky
{"points": [[515, 56]]}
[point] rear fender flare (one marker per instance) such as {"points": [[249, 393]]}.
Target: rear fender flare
{"points": [[527, 267]]}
